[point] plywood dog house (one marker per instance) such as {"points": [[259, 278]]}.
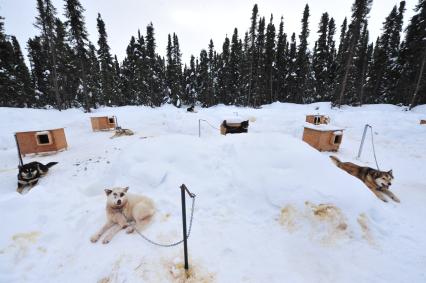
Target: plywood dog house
{"points": [[317, 119], [234, 126], [323, 138], [103, 123], [41, 141]]}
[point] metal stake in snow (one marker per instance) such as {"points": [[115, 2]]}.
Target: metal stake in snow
{"points": [[21, 163], [199, 126], [183, 188], [372, 144], [362, 141]]}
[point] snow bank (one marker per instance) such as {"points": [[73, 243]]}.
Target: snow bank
{"points": [[269, 207]]}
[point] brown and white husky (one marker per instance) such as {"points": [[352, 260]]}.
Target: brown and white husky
{"points": [[377, 181]]}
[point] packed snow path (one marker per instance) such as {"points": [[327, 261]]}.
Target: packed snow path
{"points": [[269, 207]]}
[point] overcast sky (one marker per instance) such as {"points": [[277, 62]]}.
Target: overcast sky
{"points": [[194, 21]]}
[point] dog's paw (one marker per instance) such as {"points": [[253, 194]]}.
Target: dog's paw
{"points": [[94, 238], [383, 199], [396, 199], [130, 229], [106, 241]]}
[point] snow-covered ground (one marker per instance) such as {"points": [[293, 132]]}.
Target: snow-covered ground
{"points": [[269, 207]]}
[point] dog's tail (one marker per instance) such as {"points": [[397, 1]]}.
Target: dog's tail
{"points": [[335, 160], [50, 164]]}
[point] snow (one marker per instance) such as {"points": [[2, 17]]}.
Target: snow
{"points": [[322, 127], [269, 207]]}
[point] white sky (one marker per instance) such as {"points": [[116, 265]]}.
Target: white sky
{"points": [[194, 21]]}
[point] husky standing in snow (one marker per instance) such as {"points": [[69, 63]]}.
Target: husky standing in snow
{"points": [[30, 173], [377, 181], [122, 209], [122, 132]]}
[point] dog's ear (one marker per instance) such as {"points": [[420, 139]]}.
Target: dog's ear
{"points": [[125, 189], [108, 192], [390, 173]]}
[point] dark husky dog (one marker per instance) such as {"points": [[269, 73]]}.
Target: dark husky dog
{"points": [[30, 173], [377, 181]]}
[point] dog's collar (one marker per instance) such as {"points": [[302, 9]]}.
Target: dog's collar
{"points": [[116, 209], [27, 182]]}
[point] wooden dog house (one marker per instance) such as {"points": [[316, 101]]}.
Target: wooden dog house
{"points": [[323, 138], [422, 122], [317, 119], [41, 141], [103, 123], [234, 126]]}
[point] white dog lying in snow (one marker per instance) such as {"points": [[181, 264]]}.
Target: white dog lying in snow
{"points": [[121, 209]]}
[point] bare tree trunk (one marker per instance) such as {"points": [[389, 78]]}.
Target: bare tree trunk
{"points": [[416, 91]]}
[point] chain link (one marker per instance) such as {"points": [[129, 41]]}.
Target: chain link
{"points": [[173, 244], [374, 149], [208, 123]]}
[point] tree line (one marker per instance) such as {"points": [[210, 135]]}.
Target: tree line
{"points": [[261, 66]]}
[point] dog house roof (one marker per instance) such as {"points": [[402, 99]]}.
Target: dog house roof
{"points": [[322, 127], [235, 119], [40, 131]]}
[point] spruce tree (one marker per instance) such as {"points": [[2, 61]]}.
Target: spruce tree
{"points": [[45, 21], [303, 78], [106, 65], [413, 59], [331, 61], [203, 79], [360, 10], [250, 53], [212, 99], [258, 89], [40, 80], [291, 87], [320, 59], [94, 78], [67, 82], [380, 86], [129, 75], [118, 84], [21, 74], [153, 66], [270, 68], [281, 63], [224, 75], [235, 68], [174, 71], [79, 38]]}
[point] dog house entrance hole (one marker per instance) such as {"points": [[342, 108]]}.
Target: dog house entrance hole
{"points": [[111, 120], [337, 139], [317, 120], [43, 138]]}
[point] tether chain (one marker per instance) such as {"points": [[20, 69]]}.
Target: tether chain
{"points": [[374, 150], [173, 244], [210, 124]]}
